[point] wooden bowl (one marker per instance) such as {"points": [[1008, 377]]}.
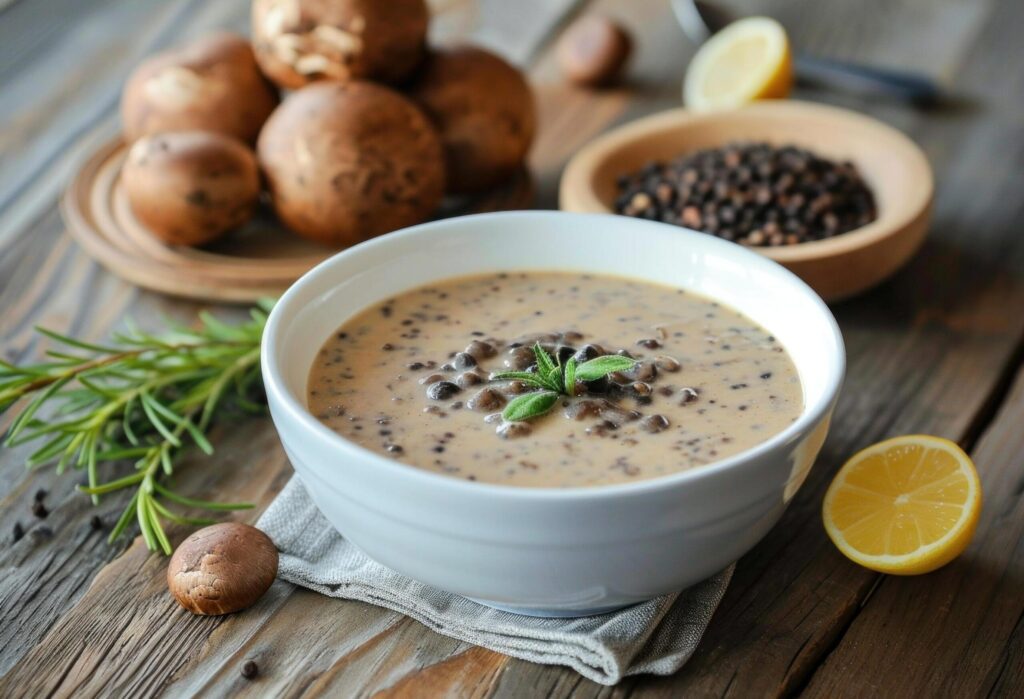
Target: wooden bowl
{"points": [[892, 165]]}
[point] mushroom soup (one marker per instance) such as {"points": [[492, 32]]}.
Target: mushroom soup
{"points": [[414, 378]]}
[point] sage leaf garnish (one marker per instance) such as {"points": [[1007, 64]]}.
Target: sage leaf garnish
{"points": [[529, 405], [524, 376], [600, 367], [570, 377], [552, 379], [545, 367]]}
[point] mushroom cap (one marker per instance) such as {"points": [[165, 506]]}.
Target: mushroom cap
{"points": [[211, 84], [300, 41], [347, 161], [222, 568], [191, 187], [593, 50], [483, 108]]}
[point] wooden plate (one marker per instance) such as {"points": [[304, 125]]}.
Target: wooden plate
{"points": [[893, 166], [260, 259]]}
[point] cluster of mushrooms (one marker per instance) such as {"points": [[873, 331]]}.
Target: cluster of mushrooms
{"points": [[374, 129]]}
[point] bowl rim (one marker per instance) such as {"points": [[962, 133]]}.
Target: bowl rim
{"points": [[576, 180], [274, 383]]}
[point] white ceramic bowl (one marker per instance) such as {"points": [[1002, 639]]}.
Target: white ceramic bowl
{"points": [[551, 552]]}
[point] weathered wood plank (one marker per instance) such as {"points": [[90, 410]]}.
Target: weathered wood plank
{"points": [[956, 632], [45, 279], [135, 634]]}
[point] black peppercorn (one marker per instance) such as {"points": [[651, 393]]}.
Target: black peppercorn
{"points": [[564, 352], [654, 423], [688, 395], [442, 390], [736, 190], [469, 378], [588, 352], [464, 360], [250, 669], [480, 349]]}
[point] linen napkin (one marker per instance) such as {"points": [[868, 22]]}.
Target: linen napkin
{"points": [[656, 637]]}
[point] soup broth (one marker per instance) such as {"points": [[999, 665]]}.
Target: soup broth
{"points": [[410, 378]]}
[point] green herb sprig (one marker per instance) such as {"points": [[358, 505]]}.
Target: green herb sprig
{"points": [[140, 400], [553, 380]]}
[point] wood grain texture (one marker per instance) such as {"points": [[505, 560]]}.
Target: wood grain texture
{"points": [[62, 69], [969, 618], [933, 350]]}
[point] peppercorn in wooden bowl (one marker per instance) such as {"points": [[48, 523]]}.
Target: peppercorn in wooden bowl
{"points": [[857, 212]]}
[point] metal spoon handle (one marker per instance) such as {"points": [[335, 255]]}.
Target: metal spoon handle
{"points": [[911, 86]]}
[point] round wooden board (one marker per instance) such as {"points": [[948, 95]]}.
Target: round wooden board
{"points": [[260, 259]]}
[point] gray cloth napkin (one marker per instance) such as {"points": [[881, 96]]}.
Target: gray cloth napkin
{"points": [[656, 637]]}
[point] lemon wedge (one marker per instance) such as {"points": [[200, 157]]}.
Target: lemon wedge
{"points": [[904, 506], [748, 60]]}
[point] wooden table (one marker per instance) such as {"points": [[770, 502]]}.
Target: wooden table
{"points": [[936, 350]]}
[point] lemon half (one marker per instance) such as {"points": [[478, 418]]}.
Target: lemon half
{"points": [[748, 60], [904, 506]]}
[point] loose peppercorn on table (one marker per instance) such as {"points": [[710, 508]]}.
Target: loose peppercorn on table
{"points": [[937, 349]]}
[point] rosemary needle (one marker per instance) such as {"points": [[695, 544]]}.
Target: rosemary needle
{"points": [[139, 400]]}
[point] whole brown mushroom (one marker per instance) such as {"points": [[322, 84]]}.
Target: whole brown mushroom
{"points": [[212, 84], [222, 568], [300, 41], [593, 50], [348, 161], [191, 187], [484, 110]]}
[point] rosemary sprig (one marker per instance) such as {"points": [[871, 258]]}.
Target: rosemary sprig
{"points": [[551, 380], [139, 400]]}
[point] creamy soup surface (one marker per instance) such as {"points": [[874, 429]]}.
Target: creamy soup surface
{"points": [[708, 382]]}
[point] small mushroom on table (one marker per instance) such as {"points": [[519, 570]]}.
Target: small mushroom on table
{"points": [[222, 568], [593, 50]]}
